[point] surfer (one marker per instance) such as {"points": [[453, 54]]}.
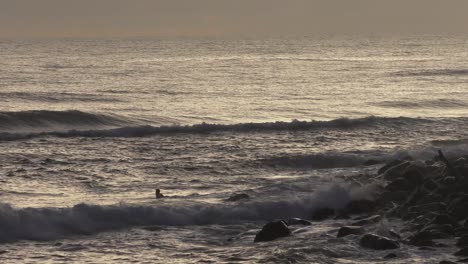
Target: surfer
{"points": [[159, 194]]}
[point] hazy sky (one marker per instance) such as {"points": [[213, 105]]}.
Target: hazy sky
{"points": [[187, 18]]}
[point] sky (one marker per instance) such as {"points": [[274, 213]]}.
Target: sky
{"points": [[227, 18]]}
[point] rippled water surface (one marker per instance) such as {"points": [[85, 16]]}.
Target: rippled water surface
{"points": [[88, 130]]}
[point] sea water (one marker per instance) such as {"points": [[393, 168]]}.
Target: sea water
{"points": [[90, 128]]}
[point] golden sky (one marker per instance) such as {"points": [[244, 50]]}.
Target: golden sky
{"points": [[226, 18]]}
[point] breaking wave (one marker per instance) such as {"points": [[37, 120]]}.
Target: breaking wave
{"points": [[203, 128], [41, 224]]}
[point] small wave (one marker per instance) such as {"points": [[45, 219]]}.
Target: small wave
{"points": [[43, 224], [433, 72], [147, 130], [42, 119]]}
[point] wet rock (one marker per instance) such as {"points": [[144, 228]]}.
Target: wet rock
{"points": [[394, 234], [298, 221], [396, 171], [376, 242], [359, 207], [462, 241], [238, 197], [321, 214], [390, 256], [426, 248], [272, 231], [350, 230], [458, 207], [399, 184], [389, 165], [368, 220], [462, 252], [371, 162]]}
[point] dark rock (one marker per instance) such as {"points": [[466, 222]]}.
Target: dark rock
{"points": [[321, 214], [426, 248], [272, 231], [465, 260], [462, 252], [449, 180], [447, 262], [389, 165], [350, 230], [429, 207], [396, 171], [390, 256], [443, 219], [371, 162], [359, 207], [394, 234], [298, 221], [399, 184], [376, 242], [238, 197], [463, 241], [458, 207], [369, 220]]}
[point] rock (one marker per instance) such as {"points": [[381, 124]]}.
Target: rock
{"points": [[426, 248], [238, 197], [394, 234], [359, 207], [321, 214], [371, 162], [396, 171], [462, 241], [447, 262], [399, 184], [462, 260], [272, 231], [389, 165], [462, 252], [443, 219], [369, 220], [376, 242], [458, 207], [390, 256], [350, 230], [298, 221]]}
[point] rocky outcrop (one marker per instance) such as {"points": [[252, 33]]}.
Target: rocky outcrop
{"points": [[376, 242], [272, 231], [350, 230]]}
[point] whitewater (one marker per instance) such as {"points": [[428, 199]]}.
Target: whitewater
{"points": [[90, 128]]}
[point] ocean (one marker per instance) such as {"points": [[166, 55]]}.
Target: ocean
{"points": [[90, 128]]}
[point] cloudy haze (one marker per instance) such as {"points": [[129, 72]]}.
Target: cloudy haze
{"points": [[198, 18]]}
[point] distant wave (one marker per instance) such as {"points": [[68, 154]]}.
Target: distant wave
{"points": [[147, 130], [438, 103], [57, 97], [42, 119], [433, 72], [43, 224]]}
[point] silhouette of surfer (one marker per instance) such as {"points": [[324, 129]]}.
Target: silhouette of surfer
{"points": [[159, 195]]}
